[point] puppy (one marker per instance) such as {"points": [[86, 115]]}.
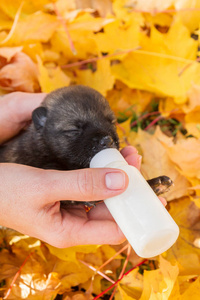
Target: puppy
{"points": [[68, 129]]}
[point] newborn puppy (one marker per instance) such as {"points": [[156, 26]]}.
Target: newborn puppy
{"points": [[68, 129]]}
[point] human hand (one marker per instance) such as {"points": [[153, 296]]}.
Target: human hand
{"points": [[30, 203], [15, 113], [30, 197]]}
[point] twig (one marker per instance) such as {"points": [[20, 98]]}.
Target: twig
{"points": [[156, 11], [144, 117], [94, 59], [17, 275], [62, 21], [116, 254], [123, 269], [187, 66], [114, 284], [97, 271], [154, 122]]}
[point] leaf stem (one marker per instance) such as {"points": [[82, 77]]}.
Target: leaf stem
{"points": [[62, 21], [97, 271], [123, 269], [134, 123], [153, 122], [94, 59], [114, 284], [16, 276]]}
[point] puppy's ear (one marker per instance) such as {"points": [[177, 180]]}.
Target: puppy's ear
{"points": [[39, 117]]}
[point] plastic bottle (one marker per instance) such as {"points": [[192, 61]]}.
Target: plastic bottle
{"points": [[143, 219]]}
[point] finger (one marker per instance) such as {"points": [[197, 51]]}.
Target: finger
{"points": [[128, 150], [84, 185], [16, 110], [22, 105], [132, 157], [163, 201]]}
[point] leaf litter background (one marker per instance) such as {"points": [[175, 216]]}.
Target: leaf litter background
{"points": [[144, 57]]}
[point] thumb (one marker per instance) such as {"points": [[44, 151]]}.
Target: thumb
{"points": [[85, 184]]}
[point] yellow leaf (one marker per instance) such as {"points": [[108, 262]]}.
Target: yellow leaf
{"points": [[124, 295], [153, 5], [69, 254], [188, 10], [182, 46], [193, 291], [123, 130], [193, 102], [156, 161], [117, 36], [186, 155], [5, 22], [193, 126], [168, 107], [51, 78], [35, 27], [132, 284], [125, 101], [86, 22], [10, 7], [158, 284], [83, 43], [160, 67], [33, 50], [71, 274], [65, 7], [81, 32], [143, 69], [121, 9], [161, 19], [186, 251], [101, 79], [103, 7]]}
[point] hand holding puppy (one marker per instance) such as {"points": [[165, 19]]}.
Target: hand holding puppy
{"points": [[30, 197]]}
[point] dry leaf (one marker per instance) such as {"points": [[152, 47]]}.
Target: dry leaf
{"points": [[156, 161], [102, 80], [158, 284], [20, 74]]}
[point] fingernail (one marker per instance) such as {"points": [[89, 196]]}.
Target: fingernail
{"points": [[115, 181]]}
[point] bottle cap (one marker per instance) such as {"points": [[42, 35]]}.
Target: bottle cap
{"points": [[105, 157]]}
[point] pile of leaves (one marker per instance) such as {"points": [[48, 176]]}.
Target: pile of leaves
{"points": [[144, 57]]}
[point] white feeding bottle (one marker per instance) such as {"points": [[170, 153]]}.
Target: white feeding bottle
{"points": [[143, 219]]}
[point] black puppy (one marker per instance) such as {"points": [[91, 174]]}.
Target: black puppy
{"points": [[68, 129]]}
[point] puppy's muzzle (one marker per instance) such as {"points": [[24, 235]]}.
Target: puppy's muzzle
{"points": [[106, 142]]}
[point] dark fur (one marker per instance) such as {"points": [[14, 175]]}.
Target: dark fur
{"points": [[68, 129]]}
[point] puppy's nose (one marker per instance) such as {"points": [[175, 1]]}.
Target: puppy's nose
{"points": [[106, 141]]}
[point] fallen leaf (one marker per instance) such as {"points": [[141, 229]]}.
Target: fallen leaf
{"points": [[185, 154], [20, 74], [51, 78], [40, 27], [157, 161], [102, 80], [158, 284]]}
